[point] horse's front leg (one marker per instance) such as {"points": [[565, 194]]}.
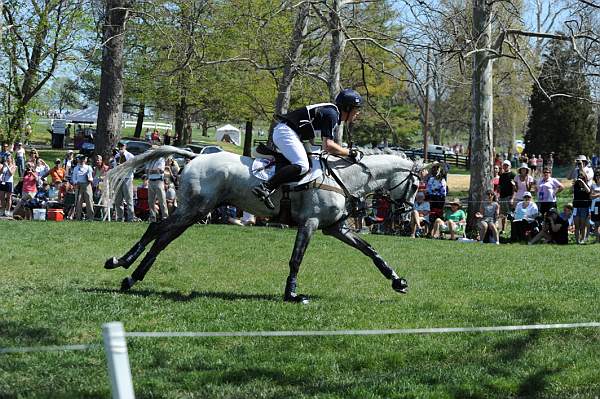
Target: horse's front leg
{"points": [[303, 236], [342, 233], [152, 232]]}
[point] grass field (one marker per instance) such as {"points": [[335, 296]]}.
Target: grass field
{"points": [[54, 291]]}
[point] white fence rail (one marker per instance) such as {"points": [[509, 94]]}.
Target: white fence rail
{"points": [[115, 343], [148, 125]]}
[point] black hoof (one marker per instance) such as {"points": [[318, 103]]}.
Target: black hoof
{"points": [[400, 285], [111, 263], [296, 298], [126, 284]]}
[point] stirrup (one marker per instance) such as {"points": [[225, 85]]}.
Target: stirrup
{"points": [[263, 194]]}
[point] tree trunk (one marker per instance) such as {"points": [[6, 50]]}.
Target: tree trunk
{"points": [[139, 125], [205, 128], [290, 68], [338, 45], [180, 111], [187, 127], [110, 105], [482, 104], [248, 139]]}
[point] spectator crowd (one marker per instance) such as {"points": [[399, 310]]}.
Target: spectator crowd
{"points": [[521, 207]]}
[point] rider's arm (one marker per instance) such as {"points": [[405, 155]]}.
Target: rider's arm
{"points": [[332, 147]]}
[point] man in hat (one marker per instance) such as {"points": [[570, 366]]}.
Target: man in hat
{"points": [[125, 192], [507, 188], [82, 178]]}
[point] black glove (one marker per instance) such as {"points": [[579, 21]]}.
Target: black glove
{"points": [[353, 154]]}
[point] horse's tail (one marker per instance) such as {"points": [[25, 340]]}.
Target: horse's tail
{"points": [[115, 176]]}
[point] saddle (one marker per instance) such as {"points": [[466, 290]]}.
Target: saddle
{"points": [[266, 164]]}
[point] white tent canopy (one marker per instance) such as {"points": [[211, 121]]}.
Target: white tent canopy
{"points": [[229, 134], [88, 115]]}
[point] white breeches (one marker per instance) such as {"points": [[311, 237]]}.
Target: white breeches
{"points": [[290, 146]]}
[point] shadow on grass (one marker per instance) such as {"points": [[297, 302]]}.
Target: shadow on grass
{"points": [[181, 297], [27, 334]]}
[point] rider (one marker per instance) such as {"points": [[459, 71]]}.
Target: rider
{"points": [[301, 125]]}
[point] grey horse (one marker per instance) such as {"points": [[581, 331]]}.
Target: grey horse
{"points": [[211, 180]]}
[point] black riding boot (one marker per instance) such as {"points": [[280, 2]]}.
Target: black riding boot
{"points": [[287, 174]]}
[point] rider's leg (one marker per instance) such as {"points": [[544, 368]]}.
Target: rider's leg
{"points": [[291, 147]]}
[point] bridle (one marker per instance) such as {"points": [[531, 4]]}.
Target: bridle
{"points": [[404, 206]]}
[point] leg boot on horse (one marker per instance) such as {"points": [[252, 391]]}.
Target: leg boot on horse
{"points": [[303, 237], [138, 248]]}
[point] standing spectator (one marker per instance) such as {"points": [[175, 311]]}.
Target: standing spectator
{"points": [[69, 163], [7, 173], [555, 230], [171, 171], [5, 153], [42, 170], [540, 166], [28, 189], [488, 216], [125, 192], [419, 218], [548, 187], [82, 180], [496, 181], [550, 162], [20, 158], [100, 169], [595, 206], [167, 138], [156, 188], [33, 156], [437, 189], [148, 135], [533, 163], [582, 168], [524, 221], [594, 161], [155, 137], [523, 182], [524, 159], [57, 173], [507, 188], [581, 203]]}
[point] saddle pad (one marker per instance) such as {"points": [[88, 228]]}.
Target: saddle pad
{"points": [[264, 169]]}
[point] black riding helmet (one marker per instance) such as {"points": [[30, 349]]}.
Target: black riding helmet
{"points": [[348, 99]]}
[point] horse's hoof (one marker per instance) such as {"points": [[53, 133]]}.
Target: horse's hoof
{"points": [[126, 284], [296, 298], [400, 285], [111, 263]]}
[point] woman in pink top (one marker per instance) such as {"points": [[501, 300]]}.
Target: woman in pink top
{"points": [[548, 187], [29, 183], [524, 182]]}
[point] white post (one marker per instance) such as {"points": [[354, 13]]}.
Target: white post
{"points": [[115, 347]]}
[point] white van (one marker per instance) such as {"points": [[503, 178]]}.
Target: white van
{"points": [[439, 150]]}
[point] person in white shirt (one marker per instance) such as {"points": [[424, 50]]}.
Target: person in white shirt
{"points": [[82, 178], [155, 170], [524, 219], [419, 218], [125, 192]]}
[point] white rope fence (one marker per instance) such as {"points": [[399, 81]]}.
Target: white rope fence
{"points": [[115, 344]]}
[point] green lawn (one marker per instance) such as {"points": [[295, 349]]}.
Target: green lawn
{"points": [[224, 278]]}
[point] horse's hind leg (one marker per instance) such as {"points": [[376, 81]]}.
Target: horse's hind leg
{"points": [[152, 232], [342, 233], [173, 227]]}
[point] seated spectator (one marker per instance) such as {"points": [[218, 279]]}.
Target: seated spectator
{"points": [[454, 221], [554, 229], [567, 214], [524, 220], [419, 217], [40, 199], [487, 218]]}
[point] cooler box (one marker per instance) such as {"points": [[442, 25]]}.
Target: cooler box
{"points": [[56, 215], [39, 214]]}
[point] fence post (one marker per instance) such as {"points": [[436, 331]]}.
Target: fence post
{"points": [[115, 347]]}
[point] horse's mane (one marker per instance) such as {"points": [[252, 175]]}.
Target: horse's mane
{"points": [[417, 164]]}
